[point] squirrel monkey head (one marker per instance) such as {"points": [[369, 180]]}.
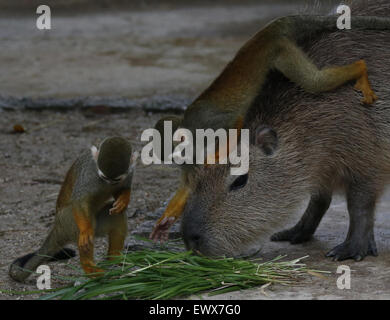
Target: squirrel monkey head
{"points": [[113, 159]]}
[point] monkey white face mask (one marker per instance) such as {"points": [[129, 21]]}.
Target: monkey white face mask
{"points": [[116, 180]]}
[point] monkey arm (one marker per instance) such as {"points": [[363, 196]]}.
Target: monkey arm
{"points": [[173, 211], [122, 200]]}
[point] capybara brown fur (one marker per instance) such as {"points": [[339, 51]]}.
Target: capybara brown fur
{"points": [[302, 145]]}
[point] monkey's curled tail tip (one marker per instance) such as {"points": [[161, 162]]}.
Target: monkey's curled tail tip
{"points": [[19, 268], [16, 270]]}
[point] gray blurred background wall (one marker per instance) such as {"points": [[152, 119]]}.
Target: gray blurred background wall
{"points": [[120, 50], [72, 5]]}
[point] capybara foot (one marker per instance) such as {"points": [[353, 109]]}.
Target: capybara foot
{"points": [[356, 250], [294, 235]]}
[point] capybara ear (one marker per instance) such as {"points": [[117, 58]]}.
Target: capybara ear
{"points": [[267, 140]]}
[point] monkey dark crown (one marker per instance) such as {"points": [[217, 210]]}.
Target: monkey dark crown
{"points": [[114, 157]]}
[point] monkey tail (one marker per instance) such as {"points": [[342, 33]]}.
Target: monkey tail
{"points": [[51, 250], [297, 26]]}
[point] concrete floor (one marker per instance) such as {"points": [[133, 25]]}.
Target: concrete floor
{"points": [[132, 53]]}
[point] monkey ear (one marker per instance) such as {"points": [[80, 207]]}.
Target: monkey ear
{"points": [[159, 126], [133, 160], [176, 122], [267, 140], [95, 153]]}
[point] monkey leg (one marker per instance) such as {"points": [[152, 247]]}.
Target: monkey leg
{"points": [[116, 244], [117, 235], [121, 202], [115, 226], [307, 225], [86, 225], [173, 212], [87, 262], [360, 239], [297, 67]]}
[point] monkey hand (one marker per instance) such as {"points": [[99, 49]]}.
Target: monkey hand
{"points": [[86, 240], [121, 203], [161, 229]]}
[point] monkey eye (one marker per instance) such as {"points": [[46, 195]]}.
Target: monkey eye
{"points": [[111, 180], [239, 183], [117, 179]]}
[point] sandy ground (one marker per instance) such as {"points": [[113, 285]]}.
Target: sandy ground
{"points": [[135, 54], [34, 163]]}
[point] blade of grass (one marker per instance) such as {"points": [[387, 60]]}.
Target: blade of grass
{"points": [[157, 274]]}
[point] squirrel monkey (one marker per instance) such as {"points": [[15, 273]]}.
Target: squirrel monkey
{"points": [[84, 210], [224, 104]]}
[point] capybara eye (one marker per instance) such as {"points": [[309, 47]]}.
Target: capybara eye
{"points": [[239, 183]]}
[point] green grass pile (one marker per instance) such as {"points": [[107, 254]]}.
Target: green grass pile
{"points": [[150, 274]]}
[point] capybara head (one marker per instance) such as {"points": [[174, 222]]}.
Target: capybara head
{"points": [[228, 214]]}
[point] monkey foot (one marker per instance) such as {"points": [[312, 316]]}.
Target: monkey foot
{"points": [[294, 235], [85, 241], [353, 250], [161, 229], [93, 271], [363, 85]]}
